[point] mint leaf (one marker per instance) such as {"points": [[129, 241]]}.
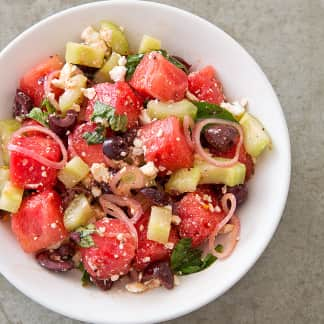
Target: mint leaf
{"points": [[49, 107], [38, 115], [185, 259], [95, 137], [174, 61], [132, 62], [106, 115], [85, 279], [208, 110], [86, 239]]}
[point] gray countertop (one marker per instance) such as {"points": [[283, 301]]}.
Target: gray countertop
{"points": [[286, 37]]}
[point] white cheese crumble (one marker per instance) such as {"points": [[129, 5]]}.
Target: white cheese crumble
{"points": [[89, 93], [114, 277], [149, 169], [100, 172], [234, 108], [92, 38], [118, 73], [144, 117], [96, 191], [122, 61]]}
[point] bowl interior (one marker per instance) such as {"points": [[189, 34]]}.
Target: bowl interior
{"points": [[200, 43]]}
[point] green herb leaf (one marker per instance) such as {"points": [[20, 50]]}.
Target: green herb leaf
{"points": [[85, 279], [95, 137], [132, 62], [174, 61], [208, 110], [86, 239], [49, 107], [38, 115], [186, 260], [106, 115]]}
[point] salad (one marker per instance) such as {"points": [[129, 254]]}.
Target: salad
{"points": [[128, 166]]}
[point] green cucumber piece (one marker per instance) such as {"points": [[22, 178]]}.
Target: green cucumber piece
{"points": [[161, 110], [183, 180], [256, 139], [148, 44], [231, 176], [159, 225], [11, 197], [77, 213], [73, 172], [84, 55], [4, 176], [7, 128], [114, 37], [103, 74]]}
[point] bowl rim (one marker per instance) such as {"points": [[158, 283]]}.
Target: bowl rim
{"points": [[204, 300]]}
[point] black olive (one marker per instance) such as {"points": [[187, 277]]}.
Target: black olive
{"points": [[221, 137], [23, 104], [61, 125], [156, 196], [240, 192], [160, 270], [115, 148]]}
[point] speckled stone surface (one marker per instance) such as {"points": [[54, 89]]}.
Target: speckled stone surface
{"points": [[286, 37]]}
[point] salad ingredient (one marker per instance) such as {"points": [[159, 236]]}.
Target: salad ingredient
{"points": [[180, 109], [114, 37], [185, 259], [103, 74], [73, 172], [166, 145], [151, 251], [188, 126], [77, 213], [4, 176], [230, 176], [209, 110], [7, 128], [183, 180], [221, 137], [236, 108], [256, 138], [156, 77], [82, 54], [148, 44], [10, 197], [61, 125], [23, 104], [205, 85], [240, 192], [89, 153], [120, 96], [116, 148], [38, 224], [155, 196], [160, 270], [113, 251], [95, 137], [207, 157], [159, 225], [200, 214]]}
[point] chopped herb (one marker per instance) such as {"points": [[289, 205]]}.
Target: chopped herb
{"points": [[219, 248], [132, 62], [95, 137], [85, 279], [86, 239], [49, 107], [174, 61], [208, 110], [39, 115], [106, 115], [186, 259]]}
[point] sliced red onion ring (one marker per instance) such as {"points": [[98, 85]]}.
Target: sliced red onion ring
{"points": [[113, 210], [134, 206], [32, 154], [188, 125], [110, 163], [230, 213], [206, 156], [123, 188], [48, 88]]}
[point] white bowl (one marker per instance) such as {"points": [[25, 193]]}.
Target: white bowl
{"points": [[200, 43]]}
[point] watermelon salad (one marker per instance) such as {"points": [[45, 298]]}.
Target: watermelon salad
{"points": [[129, 166]]}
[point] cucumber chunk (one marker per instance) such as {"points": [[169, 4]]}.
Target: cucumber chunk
{"points": [[7, 128], [183, 180], [103, 74], [159, 225], [161, 110], [77, 213], [231, 176], [73, 172], [148, 44], [114, 37], [84, 55], [256, 139], [11, 197], [4, 177]]}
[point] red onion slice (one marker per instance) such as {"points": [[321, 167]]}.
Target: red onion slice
{"points": [[32, 154], [113, 210], [135, 207], [206, 156], [230, 213], [110, 163], [123, 188], [188, 124]]}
